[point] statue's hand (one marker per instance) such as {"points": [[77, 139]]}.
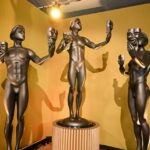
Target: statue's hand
{"points": [[132, 49], [130, 46], [109, 26], [52, 35], [121, 60]]}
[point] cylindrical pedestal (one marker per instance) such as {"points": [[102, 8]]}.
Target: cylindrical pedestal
{"points": [[65, 138]]}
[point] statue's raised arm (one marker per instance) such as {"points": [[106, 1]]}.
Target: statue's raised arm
{"points": [[52, 37], [109, 27], [75, 45], [17, 59]]}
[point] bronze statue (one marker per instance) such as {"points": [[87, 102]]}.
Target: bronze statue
{"points": [[75, 44], [138, 91], [17, 60]]}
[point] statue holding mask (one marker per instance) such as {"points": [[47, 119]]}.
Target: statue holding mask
{"points": [[138, 91], [17, 60], [75, 44]]}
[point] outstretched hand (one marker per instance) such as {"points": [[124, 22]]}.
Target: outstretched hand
{"points": [[132, 49], [109, 27], [52, 36]]}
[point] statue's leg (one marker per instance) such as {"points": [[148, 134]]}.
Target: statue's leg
{"points": [[72, 81], [141, 105], [22, 103], [9, 104], [81, 75], [133, 112]]}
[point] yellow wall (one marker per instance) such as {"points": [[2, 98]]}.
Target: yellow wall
{"points": [[105, 92], [36, 23]]}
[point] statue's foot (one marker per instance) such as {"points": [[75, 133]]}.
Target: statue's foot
{"points": [[9, 148], [144, 148], [16, 147], [71, 118], [71, 115], [77, 115], [139, 147]]}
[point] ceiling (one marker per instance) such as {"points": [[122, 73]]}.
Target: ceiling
{"points": [[71, 8]]}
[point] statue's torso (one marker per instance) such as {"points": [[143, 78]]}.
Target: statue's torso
{"points": [[137, 73], [76, 50], [17, 62]]}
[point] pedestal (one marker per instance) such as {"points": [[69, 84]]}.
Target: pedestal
{"points": [[65, 138]]}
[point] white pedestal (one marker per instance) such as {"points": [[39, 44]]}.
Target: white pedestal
{"points": [[65, 138]]}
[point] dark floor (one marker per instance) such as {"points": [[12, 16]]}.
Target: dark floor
{"points": [[104, 147]]}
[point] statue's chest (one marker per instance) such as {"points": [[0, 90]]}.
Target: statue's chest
{"points": [[77, 42], [16, 55]]}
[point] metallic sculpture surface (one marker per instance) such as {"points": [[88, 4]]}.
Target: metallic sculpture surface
{"points": [[139, 67], [17, 60], [75, 44]]}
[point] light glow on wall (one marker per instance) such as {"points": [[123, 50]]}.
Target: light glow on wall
{"points": [[55, 13]]}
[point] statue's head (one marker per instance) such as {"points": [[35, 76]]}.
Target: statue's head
{"points": [[133, 34], [137, 37], [76, 25], [17, 33]]}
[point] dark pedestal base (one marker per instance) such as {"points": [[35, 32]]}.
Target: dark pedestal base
{"points": [[75, 123]]}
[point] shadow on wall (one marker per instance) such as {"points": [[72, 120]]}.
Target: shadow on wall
{"points": [[121, 99], [64, 78], [22, 11], [34, 126]]}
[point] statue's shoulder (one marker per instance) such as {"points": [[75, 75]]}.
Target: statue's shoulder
{"points": [[82, 37], [27, 49]]}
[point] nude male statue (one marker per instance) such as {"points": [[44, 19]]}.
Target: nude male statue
{"points": [[139, 67], [75, 44], [17, 60]]}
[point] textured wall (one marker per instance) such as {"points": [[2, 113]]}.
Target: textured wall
{"points": [[105, 92]]}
